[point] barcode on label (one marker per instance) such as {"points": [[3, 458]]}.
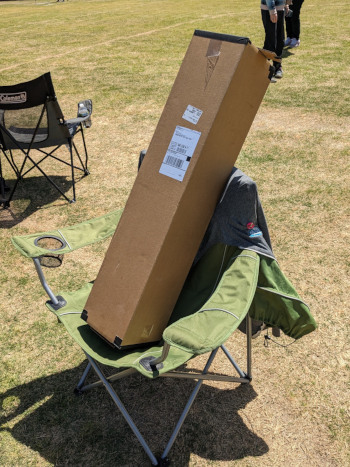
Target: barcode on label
{"points": [[174, 161], [179, 153]]}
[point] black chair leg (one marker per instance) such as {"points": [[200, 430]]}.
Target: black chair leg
{"points": [[2, 191], [2, 187]]}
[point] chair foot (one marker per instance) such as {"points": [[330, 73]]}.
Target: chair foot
{"points": [[71, 201], [249, 378], [246, 383], [86, 172], [78, 392], [163, 462], [3, 183]]}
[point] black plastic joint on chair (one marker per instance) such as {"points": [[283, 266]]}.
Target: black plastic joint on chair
{"points": [[147, 364], [117, 342], [247, 377], [84, 315], [61, 302]]}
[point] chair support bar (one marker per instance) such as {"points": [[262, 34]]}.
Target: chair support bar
{"points": [[56, 302], [199, 376], [249, 346], [81, 388]]}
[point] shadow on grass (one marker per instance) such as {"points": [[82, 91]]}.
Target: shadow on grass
{"points": [[65, 429], [31, 195], [287, 53]]}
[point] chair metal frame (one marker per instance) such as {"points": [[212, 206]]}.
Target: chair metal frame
{"points": [[162, 460], [57, 302]]}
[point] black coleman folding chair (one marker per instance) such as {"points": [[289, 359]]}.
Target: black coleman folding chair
{"points": [[31, 121]]}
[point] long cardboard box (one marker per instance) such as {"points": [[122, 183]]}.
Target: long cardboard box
{"points": [[210, 109]]}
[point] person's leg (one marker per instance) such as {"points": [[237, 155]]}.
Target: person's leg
{"points": [[279, 38], [270, 31], [279, 33], [295, 20], [289, 27]]}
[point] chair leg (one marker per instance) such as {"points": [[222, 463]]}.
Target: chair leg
{"points": [[51, 181], [36, 165], [2, 187], [72, 165], [85, 166], [162, 460], [103, 380], [19, 177], [122, 410], [3, 200], [234, 363], [247, 377], [188, 406], [249, 346], [78, 390], [11, 161]]}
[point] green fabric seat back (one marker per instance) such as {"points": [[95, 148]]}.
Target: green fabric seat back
{"points": [[215, 299]]}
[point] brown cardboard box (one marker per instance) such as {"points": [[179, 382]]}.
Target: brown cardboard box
{"points": [[210, 109]]}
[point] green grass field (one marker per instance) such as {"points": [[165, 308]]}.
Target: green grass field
{"points": [[125, 55]]}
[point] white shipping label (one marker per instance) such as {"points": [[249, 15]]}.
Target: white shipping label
{"points": [[179, 153], [192, 114]]}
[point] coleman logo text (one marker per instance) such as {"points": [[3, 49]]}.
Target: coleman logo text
{"points": [[13, 98]]}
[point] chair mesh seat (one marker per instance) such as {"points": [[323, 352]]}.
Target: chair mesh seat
{"points": [[25, 135]]}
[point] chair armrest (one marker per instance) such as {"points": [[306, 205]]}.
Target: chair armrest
{"points": [[76, 121], [72, 238], [219, 317], [73, 123]]}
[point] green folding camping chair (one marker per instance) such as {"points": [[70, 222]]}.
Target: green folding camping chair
{"points": [[226, 286]]}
